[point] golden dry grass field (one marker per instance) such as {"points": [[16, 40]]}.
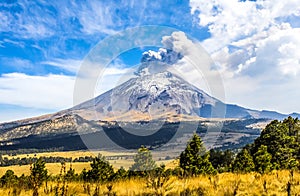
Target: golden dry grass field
{"points": [[54, 168], [224, 184], [73, 154]]}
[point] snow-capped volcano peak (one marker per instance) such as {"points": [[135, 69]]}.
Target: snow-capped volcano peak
{"points": [[152, 95]]}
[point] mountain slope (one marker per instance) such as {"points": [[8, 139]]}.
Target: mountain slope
{"points": [[154, 95], [161, 95], [157, 96]]}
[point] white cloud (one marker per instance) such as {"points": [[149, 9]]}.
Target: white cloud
{"points": [[233, 20], [256, 47], [38, 94], [4, 22], [44, 92], [241, 29], [71, 65]]}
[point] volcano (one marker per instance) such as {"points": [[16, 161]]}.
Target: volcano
{"points": [[156, 93], [153, 95]]}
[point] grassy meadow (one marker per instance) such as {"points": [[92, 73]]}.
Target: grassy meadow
{"points": [[223, 184], [54, 168], [274, 183], [270, 166]]}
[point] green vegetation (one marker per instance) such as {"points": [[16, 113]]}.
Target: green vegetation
{"points": [[282, 141], [101, 170], [38, 174], [277, 148], [28, 160], [243, 162], [221, 160], [194, 160], [143, 162]]}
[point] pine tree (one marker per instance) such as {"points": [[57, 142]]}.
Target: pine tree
{"points": [[8, 179], [243, 162], [282, 141], [194, 160], [120, 174], [101, 170], [143, 162], [70, 175], [38, 174], [221, 160], [262, 160]]}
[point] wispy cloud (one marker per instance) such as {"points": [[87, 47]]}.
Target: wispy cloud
{"points": [[99, 21], [2, 44], [41, 19], [71, 65], [27, 23], [16, 43], [17, 63], [64, 29]]}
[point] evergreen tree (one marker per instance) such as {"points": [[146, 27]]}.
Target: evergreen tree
{"points": [[262, 160], [286, 159], [38, 174], [194, 160], [221, 160], [293, 125], [100, 171], [84, 175], [243, 162], [70, 174], [143, 162], [282, 141], [120, 174], [228, 158], [8, 179]]}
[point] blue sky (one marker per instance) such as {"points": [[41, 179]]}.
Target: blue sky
{"points": [[255, 45]]}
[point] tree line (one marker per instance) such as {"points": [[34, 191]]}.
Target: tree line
{"points": [[278, 147], [51, 159]]}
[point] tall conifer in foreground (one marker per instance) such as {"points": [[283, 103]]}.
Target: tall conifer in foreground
{"points": [[194, 160]]}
